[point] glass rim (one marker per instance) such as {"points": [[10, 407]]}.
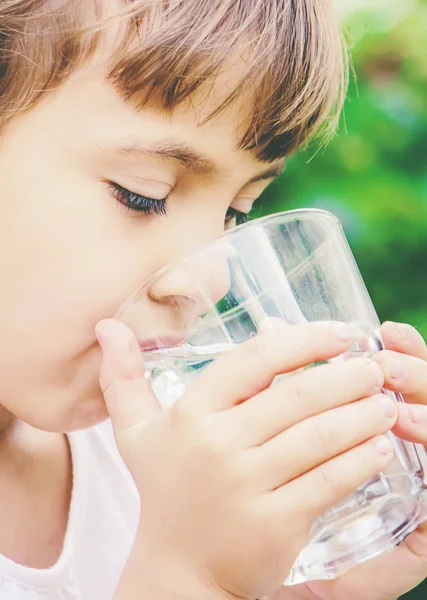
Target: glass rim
{"points": [[283, 216]]}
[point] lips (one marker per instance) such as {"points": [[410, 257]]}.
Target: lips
{"points": [[160, 343]]}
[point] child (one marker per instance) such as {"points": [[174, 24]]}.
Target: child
{"points": [[132, 132]]}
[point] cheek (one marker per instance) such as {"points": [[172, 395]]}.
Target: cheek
{"points": [[66, 261], [69, 257], [57, 284], [54, 291]]}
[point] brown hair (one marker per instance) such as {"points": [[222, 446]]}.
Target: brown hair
{"points": [[292, 60]]}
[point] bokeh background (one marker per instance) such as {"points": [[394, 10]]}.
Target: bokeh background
{"points": [[373, 175]]}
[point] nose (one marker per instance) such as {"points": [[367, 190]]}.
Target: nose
{"points": [[195, 286]]}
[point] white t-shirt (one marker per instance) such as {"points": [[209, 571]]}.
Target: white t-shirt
{"points": [[102, 522]]}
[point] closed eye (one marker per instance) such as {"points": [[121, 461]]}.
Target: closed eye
{"points": [[137, 202], [152, 206], [234, 217]]}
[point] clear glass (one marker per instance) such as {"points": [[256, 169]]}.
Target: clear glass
{"points": [[296, 267]]}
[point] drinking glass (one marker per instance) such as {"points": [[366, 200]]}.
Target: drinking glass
{"points": [[295, 267]]}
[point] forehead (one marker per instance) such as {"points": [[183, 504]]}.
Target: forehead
{"points": [[292, 61], [89, 111]]}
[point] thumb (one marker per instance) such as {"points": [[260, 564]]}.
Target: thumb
{"points": [[128, 395]]}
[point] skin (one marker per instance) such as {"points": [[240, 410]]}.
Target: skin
{"points": [[389, 576], [385, 578], [227, 439], [77, 254]]}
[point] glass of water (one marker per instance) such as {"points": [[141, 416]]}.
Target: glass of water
{"points": [[296, 267]]}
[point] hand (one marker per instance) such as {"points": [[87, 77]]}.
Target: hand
{"points": [[389, 576], [404, 364], [226, 474]]}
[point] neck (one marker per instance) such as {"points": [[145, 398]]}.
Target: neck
{"points": [[35, 487]]}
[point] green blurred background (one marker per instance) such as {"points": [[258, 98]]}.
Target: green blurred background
{"points": [[373, 175]]}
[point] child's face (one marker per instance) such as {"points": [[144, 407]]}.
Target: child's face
{"points": [[71, 253]]}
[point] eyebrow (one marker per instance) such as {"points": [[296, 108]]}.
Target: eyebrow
{"points": [[270, 173], [190, 159]]}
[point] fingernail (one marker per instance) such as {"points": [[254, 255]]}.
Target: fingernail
{"points": [[101, 336], [418, 413], [388, 405], [383, 445], [343, 332], [396, 369], [399, 334], [104, 330], [378, 372]]}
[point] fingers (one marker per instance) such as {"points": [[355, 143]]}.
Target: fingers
{"points": [[303, 395], [329, 483], [412, 423], [128, 395], [404, 374], [318, 439], [249, 369], [404, 338], [405, 369]]}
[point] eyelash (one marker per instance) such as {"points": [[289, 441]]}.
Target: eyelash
{"points": [[138, 203], [240, 217], [150, 206]]}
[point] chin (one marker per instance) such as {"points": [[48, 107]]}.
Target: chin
{"points": [[76, 402], [63, 398], [82, 417], [87, 413], [64, 412]]}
